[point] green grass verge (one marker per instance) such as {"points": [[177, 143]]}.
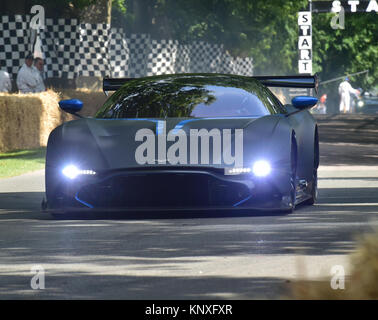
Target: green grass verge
{"points": [[21, 161]]}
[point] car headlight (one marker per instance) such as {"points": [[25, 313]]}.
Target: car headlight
{"points": [[235, 171], [360, 103], [261, 168], [73, 172]]}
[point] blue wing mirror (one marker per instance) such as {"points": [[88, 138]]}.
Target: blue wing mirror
{"points": [[71, 105], [304, 102]]}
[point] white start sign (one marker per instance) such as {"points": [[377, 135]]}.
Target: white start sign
{"points": [[305, 42]]}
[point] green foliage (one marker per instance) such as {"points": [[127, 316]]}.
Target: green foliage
{"points": [[346, 51], [265, 30], [60, 8], [119, 5]]}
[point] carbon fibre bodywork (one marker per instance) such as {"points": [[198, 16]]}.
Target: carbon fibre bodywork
{"points": [[106, 144]]}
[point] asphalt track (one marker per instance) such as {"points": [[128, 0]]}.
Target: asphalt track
{"points": [[201, 256]]}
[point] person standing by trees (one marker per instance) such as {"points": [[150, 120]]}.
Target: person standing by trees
{"points": [[345, 90]]}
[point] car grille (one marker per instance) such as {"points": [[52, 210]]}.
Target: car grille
{"points": [[162, 190]]}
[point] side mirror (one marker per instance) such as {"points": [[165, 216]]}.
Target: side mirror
{"points": [[304, 102], [71, 105]]}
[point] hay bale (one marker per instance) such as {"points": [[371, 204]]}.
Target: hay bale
{"points": [[52, 116], [26, 120], [364, 276], [361, 284], [92, 100]]}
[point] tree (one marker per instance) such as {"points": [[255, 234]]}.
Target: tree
{"points": [[94, 11], [98, 11], [345, 51], [267, 31]]}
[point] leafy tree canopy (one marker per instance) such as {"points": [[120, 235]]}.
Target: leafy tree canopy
{"points": [[264, 30]]}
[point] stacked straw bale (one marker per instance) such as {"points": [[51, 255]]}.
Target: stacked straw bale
{"points": [[26, 120], [360, 284], [92, 100]]}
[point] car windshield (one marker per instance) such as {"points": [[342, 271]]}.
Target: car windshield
{"points": [[189, 96]]}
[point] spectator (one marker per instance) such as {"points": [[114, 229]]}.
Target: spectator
{"points": [[322, 104], [321, 107], [39, 75], [345, 90], [5, 82], [26, 79]]}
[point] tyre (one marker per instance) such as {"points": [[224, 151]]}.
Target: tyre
{"points": [[314, 188], [293, 177], [314, 180]]}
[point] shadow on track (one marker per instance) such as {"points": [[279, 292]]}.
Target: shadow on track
{"points": [[27, 205]]}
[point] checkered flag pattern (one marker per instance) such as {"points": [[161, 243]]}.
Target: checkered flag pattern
{"points": [[200, 57], [139, 49], [119, 54], [217, 53], [14, 42], [227, 63], [72, 50], [243, 66], [93, 50], [182, 64], [60, 42], [162, 58]]}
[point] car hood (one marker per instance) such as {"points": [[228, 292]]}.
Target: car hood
{"points": [[111, 143]]}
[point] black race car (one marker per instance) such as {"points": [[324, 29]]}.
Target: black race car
{"points": [[186, 141]]}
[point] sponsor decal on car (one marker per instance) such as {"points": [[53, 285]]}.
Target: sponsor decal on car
{"points": [[205, 146]]}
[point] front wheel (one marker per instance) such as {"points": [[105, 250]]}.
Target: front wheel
{"points": [[293, 174], [314, 188], [314, 181]]}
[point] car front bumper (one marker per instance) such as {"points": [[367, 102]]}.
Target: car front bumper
{"points": [[169, 190]]}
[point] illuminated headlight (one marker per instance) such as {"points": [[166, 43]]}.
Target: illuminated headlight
{"points": [[261, 168], [360, 104], [235, 171], [72, 172]]}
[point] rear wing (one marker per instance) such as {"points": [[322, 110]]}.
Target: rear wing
{"points": [[290, 81], [299, 81], [113, 84]]}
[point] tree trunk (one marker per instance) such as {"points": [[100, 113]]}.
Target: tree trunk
{"points": [[99, 12]]}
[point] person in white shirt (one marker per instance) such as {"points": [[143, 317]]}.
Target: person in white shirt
{"points": [[26, 79], [38, 73], [5, 82], [345, 90]]}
